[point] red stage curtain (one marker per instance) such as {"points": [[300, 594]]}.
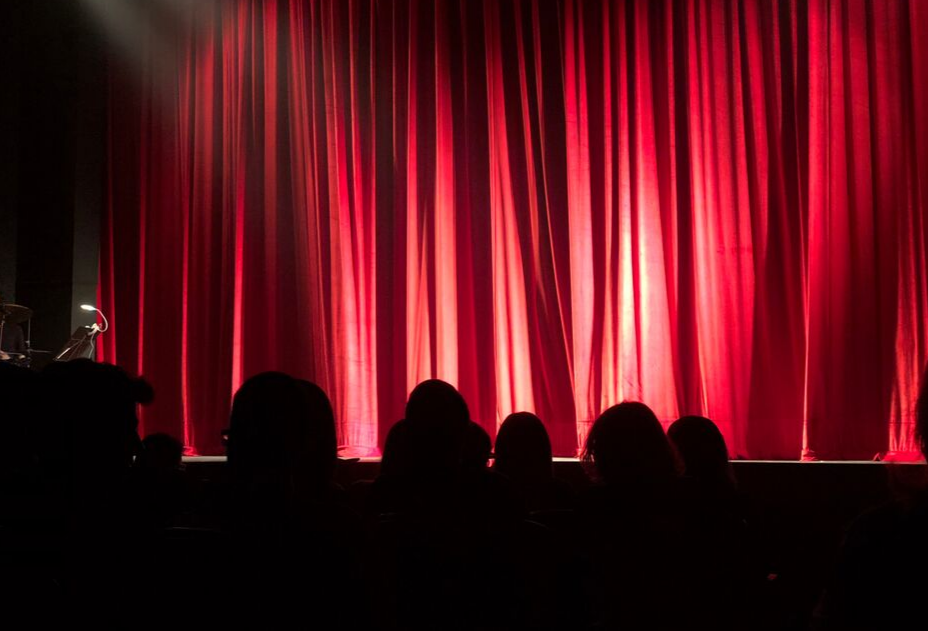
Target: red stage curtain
{"points": [[717, 207]]}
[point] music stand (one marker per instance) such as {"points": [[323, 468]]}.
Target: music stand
{"points": [[81, 344]]}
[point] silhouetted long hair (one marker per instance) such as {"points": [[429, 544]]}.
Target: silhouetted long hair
{"points": [[436, 419], [437, 402], [281, 431], [627, 445], [523, 448], [702, 448]]}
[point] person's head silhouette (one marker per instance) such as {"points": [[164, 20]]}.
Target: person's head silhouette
{"points": [[702, 448], [94, 406], [627, 445], [437, 402], [281, 432], [160, 453], [523, 449], [437, 418]]}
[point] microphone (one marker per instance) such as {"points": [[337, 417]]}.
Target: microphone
{"points": [[97, 329]]}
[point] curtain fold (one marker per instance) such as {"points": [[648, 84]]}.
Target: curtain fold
{"points": [[717, 207]]}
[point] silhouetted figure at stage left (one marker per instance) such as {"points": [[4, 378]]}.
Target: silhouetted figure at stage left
{"points": [[27, 567], [637, 521], [294, 545], [19, 396], [880, 580], [86, 442], [93, 427], [732, 576], [12, 339]]}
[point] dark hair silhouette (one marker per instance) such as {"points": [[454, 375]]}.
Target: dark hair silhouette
{"points": [[160, 452], [291, 544], [281, 431], [523, 449], [627, 445], [437, 402], [437, 418], [264, 424], [93, 409], [702, 448]]}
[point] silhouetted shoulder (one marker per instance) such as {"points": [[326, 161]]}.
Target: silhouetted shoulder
{"points": [[879, 580]]}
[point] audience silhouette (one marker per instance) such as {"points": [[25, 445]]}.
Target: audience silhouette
{"points": [[661, 537], [732, 574], [160, 490], [523, 456], [702, 449], [292, 536], [85, 446], [638, 524], [880, 578]]}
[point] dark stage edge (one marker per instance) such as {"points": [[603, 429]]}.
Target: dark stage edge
{"points": [[801, 507], [828, 493]]}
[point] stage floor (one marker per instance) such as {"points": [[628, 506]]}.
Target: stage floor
{"points": [[846, 486]]}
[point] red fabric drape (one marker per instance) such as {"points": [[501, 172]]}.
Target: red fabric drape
{"points": [[717, 207]]}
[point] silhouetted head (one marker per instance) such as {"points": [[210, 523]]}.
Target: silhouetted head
{"points": [[160, 452], [437, 417], [437, 402], [523, 449], [702, 448], [627, 445], [921, 415], [477, 448], [92, 409], [281, 431]]}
